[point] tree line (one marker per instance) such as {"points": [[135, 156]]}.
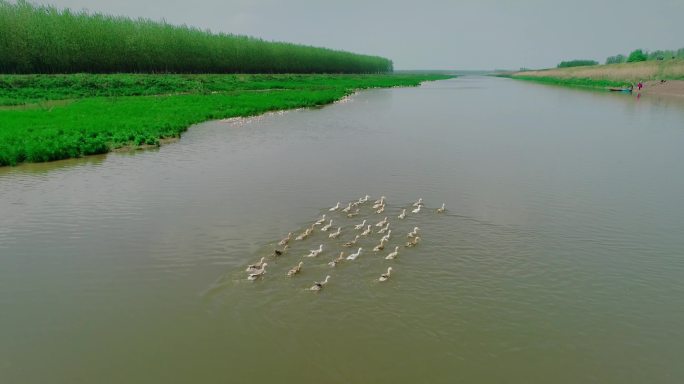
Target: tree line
{"points": [[44, 39]]}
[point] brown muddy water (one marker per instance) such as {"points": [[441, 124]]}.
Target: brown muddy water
{"points": [[560, 258]]}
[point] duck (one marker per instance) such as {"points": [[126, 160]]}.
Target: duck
{"points": [[367, 231], [335, 234], [286, 239], [320, 220], [359, 226], [305, 234], [380, 246], [255, 266], [319, 285], [387, 236], [381, 210], [295, 270], [441, 210], [327, 226], [385, 276], [413, 242], [335, 208], [315, 252], [352, 214], [393, 255], [402, 215], [337, 260], [384, 229], [417, 210], [349, 207], [351, 243], [364, 199], [258, 273], [379, 203], [279, 252], [419, 202], [353, 256], [414, 232], [381, 222]]}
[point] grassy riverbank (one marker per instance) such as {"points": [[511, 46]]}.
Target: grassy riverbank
{"points": [[604, 76], [53, 117]]}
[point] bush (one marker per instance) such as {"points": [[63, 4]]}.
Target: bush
{"points": [[617, 59], [577, 63]]}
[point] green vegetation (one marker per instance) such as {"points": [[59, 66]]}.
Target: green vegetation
{"points": [[617, 59], [574, 82], [636, 56], [41, 39], [52, 117], [576, 63]]}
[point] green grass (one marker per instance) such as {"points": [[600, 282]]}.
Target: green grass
{"points": [[44, 39], [49, 118], [574, 82]]}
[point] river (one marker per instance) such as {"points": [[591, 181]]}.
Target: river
{"points": [[560, 257]]}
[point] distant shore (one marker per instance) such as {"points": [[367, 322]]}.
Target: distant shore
{"points": [[650, 73]]}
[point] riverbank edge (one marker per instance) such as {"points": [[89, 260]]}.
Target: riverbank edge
{"points": [[312, 97]]}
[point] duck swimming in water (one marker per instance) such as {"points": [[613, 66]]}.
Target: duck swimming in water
{"points": [[419, 202], [335, 234], [258, 273], [441, 210], [380, 246], [413, 242], [381, 210], [320, 221], [315, 252], [352, 214], [349, 207], [285, 240], [327, 226], [295, 270], [417, 210], [387, 236], [255, 266], [353, 256], [413, 233], [393, 255], [319, 285], [381, 222], [385, 276], [367, 231], [352, 242], [402, 215], [335, 208], [385, 229], [337, 260], [359, 226]]}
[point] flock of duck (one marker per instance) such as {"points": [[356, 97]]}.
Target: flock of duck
{"points": [[362, 230]]}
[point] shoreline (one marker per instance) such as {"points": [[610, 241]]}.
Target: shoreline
{"points": [[121, 122]]}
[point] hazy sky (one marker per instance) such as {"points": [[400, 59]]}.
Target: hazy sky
{"points": [[439, 34]]}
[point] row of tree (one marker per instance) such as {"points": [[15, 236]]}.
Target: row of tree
{"points": [[44, 39], [641, 55]]}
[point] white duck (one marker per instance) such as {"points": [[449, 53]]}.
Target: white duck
{"points": [[379, 203], [335, 234], [441, 210], [337, 260], [402, 215], [349, 207], [414, 232], [353, 256], [258, 273], [417, 210], [363, 199], [381, 222], [255, 266], [286, 239], [352, 214], [359, 226], [387, 236], [419, 202], [350, 243], [295, 270], [384, 229], [413, 242], [315, 252], [320, 221], [327, 226], [385, 276], [381, 210], [393, 255], [380, 246], [335, 208], [367, 231], [319, 285]]}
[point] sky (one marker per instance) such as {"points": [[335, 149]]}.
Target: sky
{"points": [[432, 34]]}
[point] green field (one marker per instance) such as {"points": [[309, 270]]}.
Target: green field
{"points": [[52, 117]]}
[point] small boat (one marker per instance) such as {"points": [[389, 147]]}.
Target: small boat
{"points": [[625, 90]]}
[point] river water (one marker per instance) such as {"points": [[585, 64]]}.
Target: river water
{"points": [[560, 257]]}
